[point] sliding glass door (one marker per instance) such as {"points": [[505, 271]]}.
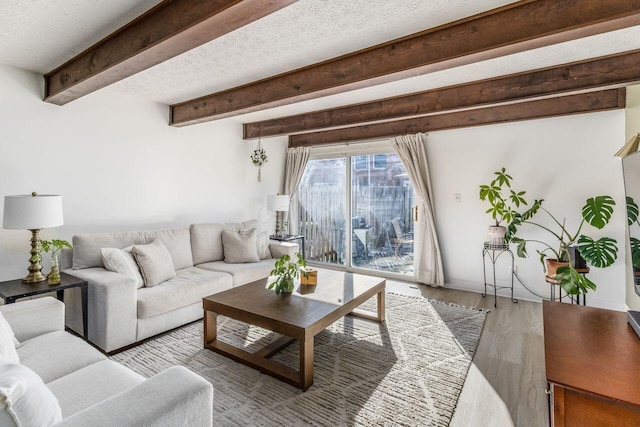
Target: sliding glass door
{"points": [[374, 192]]}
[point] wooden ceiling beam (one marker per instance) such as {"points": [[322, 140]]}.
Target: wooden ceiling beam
{"points": [[165, 31], [610, 71], [609, 99], [513, 28]]}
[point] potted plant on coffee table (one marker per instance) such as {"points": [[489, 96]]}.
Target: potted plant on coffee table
{"points": [[503, 203], [601, 253], [286, 270]]}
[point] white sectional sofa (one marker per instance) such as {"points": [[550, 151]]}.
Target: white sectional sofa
{"points": [[120, 314], [90, 389]]}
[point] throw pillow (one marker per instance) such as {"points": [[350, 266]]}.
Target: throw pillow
{"points": [[25, 398], [8, 342], [240, 246], [155, 262], [263, 245], [121, 261]]}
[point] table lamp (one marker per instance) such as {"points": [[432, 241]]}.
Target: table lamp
{"points": [[33, 212], [278, 203]]}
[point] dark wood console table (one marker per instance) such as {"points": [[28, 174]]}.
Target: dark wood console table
{"points": [[592, 359]]}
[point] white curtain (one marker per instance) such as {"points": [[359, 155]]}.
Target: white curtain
{"points": [[427, 263], [296, 162]]}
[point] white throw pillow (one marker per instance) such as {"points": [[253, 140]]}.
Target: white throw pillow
{"points": [[121, 261], [155, 262], [240, 246], [263, 245], [8, 342], [25, 398]]}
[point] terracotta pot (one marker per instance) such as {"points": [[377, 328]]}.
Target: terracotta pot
{"points": [[496, 234], [553, 264]]}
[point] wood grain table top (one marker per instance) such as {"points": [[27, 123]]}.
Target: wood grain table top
{"points": [[305, 306], [591, 349]]}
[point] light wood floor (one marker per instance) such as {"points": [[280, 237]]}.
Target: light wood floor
{"points": [[506, 382]]}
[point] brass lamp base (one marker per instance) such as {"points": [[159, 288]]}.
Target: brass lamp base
{"points": [[35, 269]]}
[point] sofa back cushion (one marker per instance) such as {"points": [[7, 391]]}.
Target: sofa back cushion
{"points": [[155, 262], [240, 246], [86, 247], [206, 239]]}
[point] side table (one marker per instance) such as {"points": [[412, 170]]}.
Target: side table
{"points": [[554, 282], [494, 252], [290, 237], [11, 290]]}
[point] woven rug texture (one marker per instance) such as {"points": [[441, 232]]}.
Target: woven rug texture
{"points": [[407, 371]]}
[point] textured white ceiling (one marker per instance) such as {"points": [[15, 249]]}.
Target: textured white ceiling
{"points": [[39, 35]]}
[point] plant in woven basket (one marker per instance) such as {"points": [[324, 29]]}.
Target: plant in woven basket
{"points": [[286, 269], [601, 253]]}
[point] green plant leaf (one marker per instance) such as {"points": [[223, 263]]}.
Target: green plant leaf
{"points": [[535, 207], [573, 282], [517, 199], [632, 211], [599, 253], [597, 211], [503, 178], [635, 252]]}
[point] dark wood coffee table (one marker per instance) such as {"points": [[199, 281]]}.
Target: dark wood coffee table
{"points": [[299, 317]]}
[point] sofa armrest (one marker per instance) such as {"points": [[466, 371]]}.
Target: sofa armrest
{"points": [[32, 318], [175, 397], [112, 307], [278, 249]]}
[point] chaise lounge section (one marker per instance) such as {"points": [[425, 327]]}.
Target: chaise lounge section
{"points": [[89, 388], [121, 312]]}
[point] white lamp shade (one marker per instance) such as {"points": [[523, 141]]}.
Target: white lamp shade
{"points": [[27, 212], [278, 203]]}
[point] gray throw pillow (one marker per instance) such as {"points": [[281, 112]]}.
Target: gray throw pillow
{"points": [[155, 262], [240, 246]]}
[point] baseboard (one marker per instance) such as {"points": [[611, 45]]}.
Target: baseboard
{"points": [[522, 294]]}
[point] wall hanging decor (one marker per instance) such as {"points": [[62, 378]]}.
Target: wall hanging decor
{"points": [[259, 158]]}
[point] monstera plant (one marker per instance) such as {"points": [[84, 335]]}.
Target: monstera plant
{"points": [[601, 253], [632, 219]]}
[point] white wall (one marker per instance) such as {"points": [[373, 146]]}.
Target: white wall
{"points": [[119, 166], [563, 160]]}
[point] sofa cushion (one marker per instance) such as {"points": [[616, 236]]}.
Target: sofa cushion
{"points": [[8, 342], [240, 246], [206, 242], [86, 247], [92, 384], [188, 287], [24, 399], [122, 261], [155, 263], [57, 354], [262, 242], [241, 273]]}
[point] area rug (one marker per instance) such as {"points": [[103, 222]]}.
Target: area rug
{"points": [[406, 371]]}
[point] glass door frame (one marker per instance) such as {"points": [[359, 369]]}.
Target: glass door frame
{"points": [[348, 152]]}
